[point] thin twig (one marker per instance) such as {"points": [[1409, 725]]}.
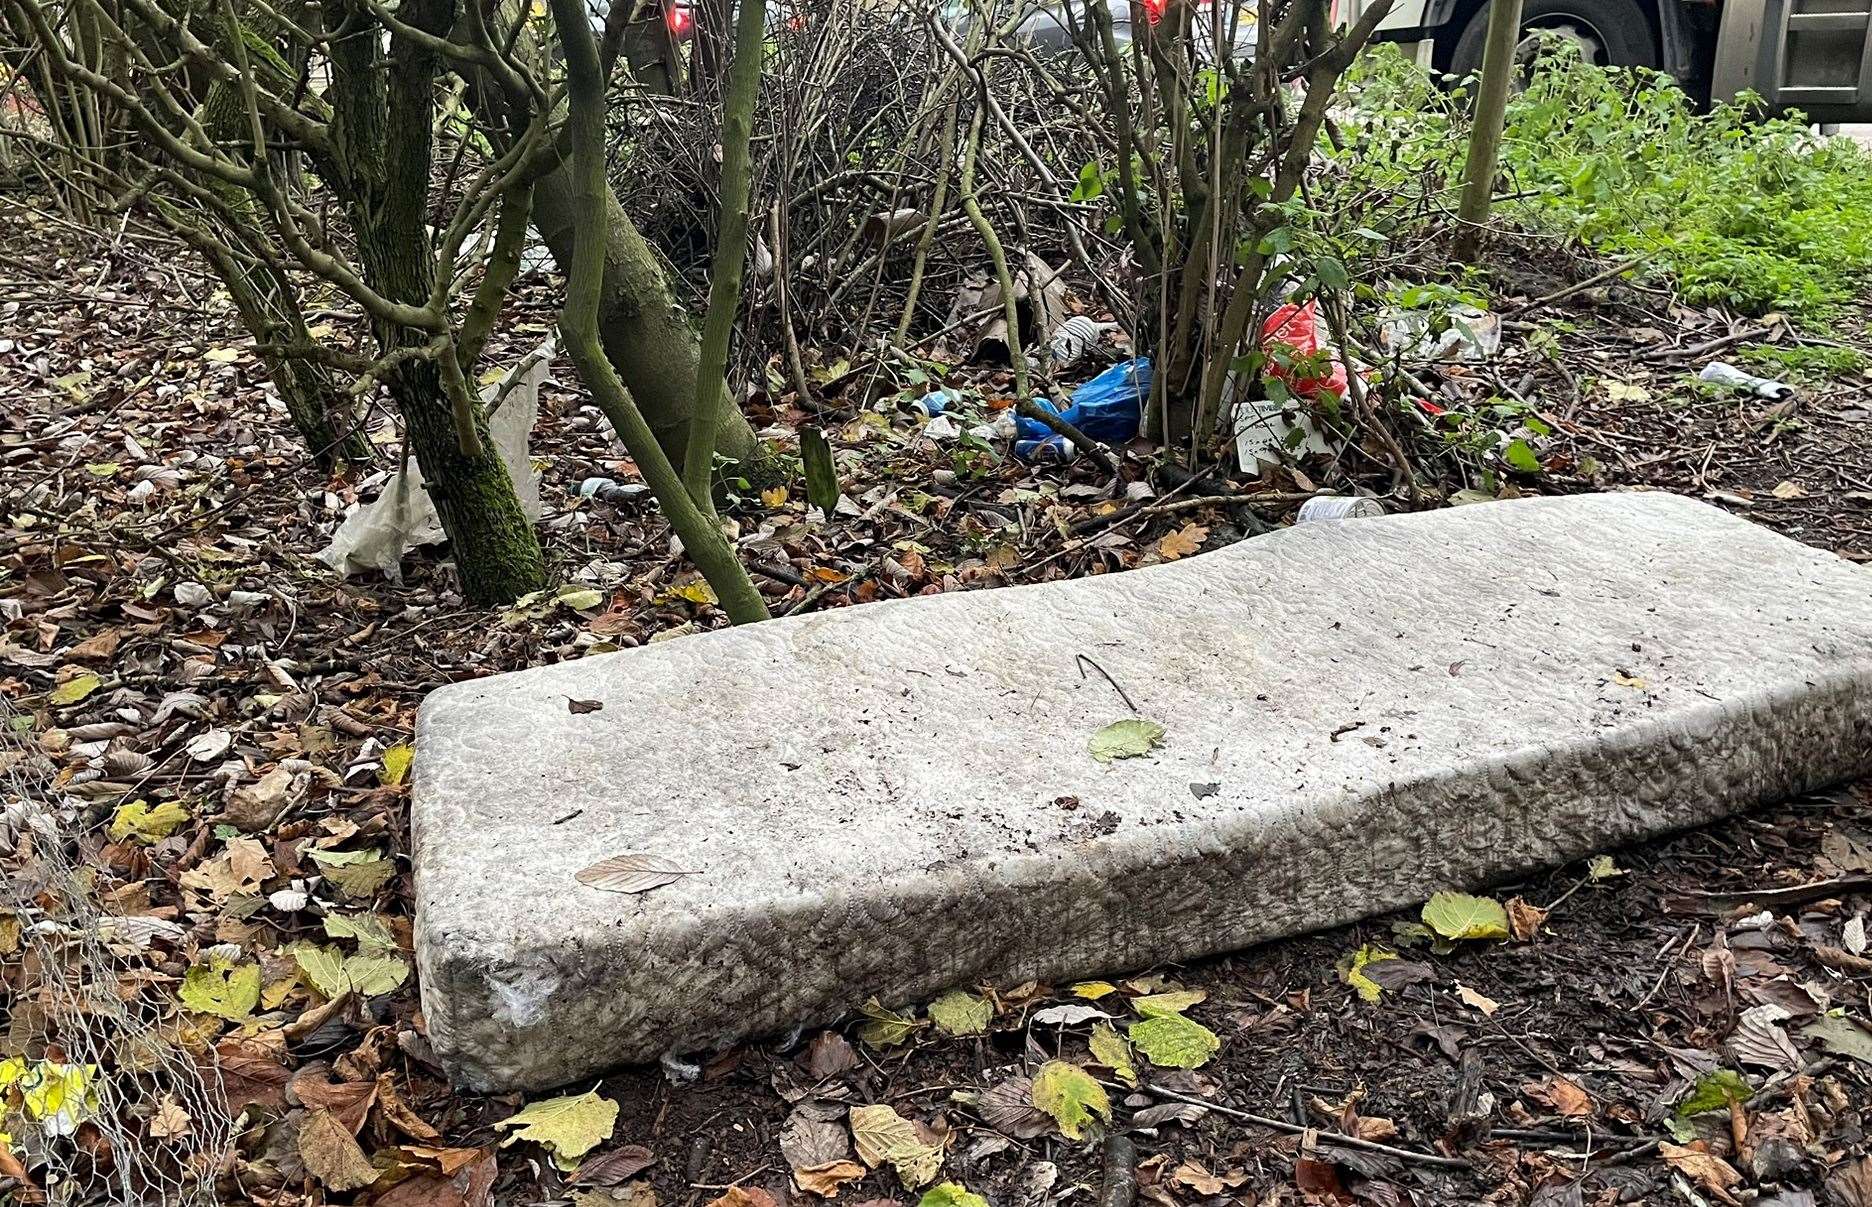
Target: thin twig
{"points": [[1338, 1138], [1084, 662]]}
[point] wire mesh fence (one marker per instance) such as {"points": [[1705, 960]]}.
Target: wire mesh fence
{"points": [[101, 1098]]}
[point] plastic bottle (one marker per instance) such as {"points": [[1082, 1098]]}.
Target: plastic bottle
{"points": [[610, 490], [1338, 507]]}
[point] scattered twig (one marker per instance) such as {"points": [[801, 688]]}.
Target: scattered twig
{"points": [[1120, 1188], [1328, 1137], [1084, 662], [1559, 295]]}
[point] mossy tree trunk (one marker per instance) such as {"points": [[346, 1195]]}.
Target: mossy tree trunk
{"points": [[646, 333], [382, 128]]}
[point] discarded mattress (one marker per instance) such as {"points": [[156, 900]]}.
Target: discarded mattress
{"points": [[898, 798]]}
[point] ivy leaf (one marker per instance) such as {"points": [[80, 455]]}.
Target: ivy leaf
{"points": [[1069, 1094], [569, 1127], [951, 1194], [960, 1013], [884, 1028], [1460, 916], [396, 764], [222, 988], [1174, 1042], [881, 1135], [1110, 1049], [1126, 739], [145, 824]]}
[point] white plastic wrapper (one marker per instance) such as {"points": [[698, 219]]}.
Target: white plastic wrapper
{"points": [[1723, 373], [376, 535]]}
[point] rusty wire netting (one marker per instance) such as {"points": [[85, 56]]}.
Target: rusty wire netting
{"points": [[100, 1102]]}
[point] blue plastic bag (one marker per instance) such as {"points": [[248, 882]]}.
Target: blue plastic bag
{"points": [[1108, 408]]}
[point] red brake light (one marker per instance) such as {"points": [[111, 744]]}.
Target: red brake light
{"points": [[1154, 10], [676, 16]]}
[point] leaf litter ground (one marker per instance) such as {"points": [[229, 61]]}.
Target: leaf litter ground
{"points": [[1681, 1024]]}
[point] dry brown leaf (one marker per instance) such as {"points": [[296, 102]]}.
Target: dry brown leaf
{"points": [[826, 1180], [99, 646], [467, 1181], [1487, 1005], [808, 1142], [170, 1122], [1197, 1178], [1709, 1171], [1759, 1041], [1842, 960], [744, 1196], [251, 1073], [1851, 1185], [449, 1160], [1525, 920], [619, 1165], [1563, 1096], [331, 1154], [399, 1114], [241, 868], [632, 872], [1183, 542], [1849, 852], [1375, 1127], [348, 1101], [1008, 1107], [830, 1055]]}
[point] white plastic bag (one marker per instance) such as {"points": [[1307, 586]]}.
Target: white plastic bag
{"points": [[376, 535]]}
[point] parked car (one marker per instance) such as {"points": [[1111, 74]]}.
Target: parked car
{"points": [[1812, 55], [1047, 26], [1044, 25]]}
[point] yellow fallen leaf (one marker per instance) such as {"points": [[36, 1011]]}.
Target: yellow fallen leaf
{"points": [[222, 988], [396, 764], [826, 1180], [73, 690], [1071, 1095], [137, 820], [881, 1135], [1110, 1049], [569, 1127]]}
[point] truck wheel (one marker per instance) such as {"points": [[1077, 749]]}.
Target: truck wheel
{"points": [[1609, 33]]}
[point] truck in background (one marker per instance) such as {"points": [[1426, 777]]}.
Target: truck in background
{"points": [[1811, 55]]}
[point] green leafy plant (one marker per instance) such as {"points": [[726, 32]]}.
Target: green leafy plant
{"points": [[1761, 214]]}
